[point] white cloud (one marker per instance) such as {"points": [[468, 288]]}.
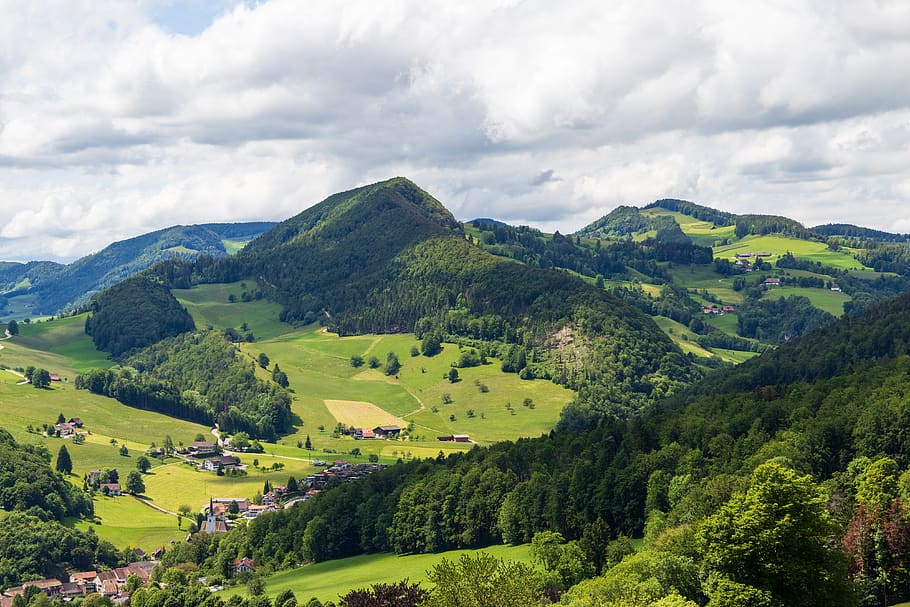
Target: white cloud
{"points": [[112, 125]]}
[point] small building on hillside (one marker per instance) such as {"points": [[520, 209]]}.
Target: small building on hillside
{"points": [[110, 488], [771, 282], [386, 431], [75, 421], [243, 565], [221, 462], [200, 448]]}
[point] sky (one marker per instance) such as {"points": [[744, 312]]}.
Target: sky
{"points": [[125, 116]]}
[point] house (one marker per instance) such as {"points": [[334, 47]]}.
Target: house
{"points": [[55, 377], [50, 586], [727, 309], [386, 431], [711, 310], [360, 433], [461, 438], [243, 565], [221, 462], [94, 476], [70, 590], [446, 439], [76, 422], [835, 288], [110, 488], [771, 282], [86, 580], [200, 448], [745, 255], [243, 503], [65, 429]]}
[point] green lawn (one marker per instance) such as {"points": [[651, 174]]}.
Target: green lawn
{"points": [[702, 233], [328, 580], [66, 337], [681, 336]]}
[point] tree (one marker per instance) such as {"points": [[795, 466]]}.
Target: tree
{"points": [[308, 444], [483, 580], [263, 360], [356, 361], [168, 444], [292, 485], [13, 327], [143, 464], [280, 377], [64, 463], [774, 537], [41, 378], [398, 594], [134, 483], [392, 365], [61, 418], [431, 345], [124, 451], [373, 363], [452, 375]]}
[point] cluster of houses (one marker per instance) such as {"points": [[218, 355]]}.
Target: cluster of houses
{"points": [[377, 432], [742, 260], [713, 309], [108, 583], [341, 471]]}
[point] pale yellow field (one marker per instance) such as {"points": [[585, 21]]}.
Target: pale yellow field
{"points": [[362, 414]]}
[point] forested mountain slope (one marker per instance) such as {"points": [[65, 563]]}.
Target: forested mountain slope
{"points": [[388, 257]]}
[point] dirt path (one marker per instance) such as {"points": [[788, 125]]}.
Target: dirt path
{"points": [[153, 506], [375, 342]]}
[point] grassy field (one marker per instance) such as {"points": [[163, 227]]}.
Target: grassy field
{"points": [[681, 336], [823, 299], [65, 337], [327, 581], [124, 521], [780, 245], [210, 306], [319, 368], [702, 233]]}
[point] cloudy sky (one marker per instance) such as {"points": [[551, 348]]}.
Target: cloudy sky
{"points": [[121, 117]]}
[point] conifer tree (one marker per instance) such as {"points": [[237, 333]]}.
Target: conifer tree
{"points": [[64, 463]]}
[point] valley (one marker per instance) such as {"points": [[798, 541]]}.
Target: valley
{"points": [[633, 380]]}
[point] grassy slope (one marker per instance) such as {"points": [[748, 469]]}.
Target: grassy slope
{"points": [[327, 581], [124, 521]]}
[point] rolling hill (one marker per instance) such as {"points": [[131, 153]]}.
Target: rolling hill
{"points": [[46, 288]]}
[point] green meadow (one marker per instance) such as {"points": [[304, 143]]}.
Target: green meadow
{"points": [[327, 581], [823, 299], [210, 305], [780, 245], [702, 233], [124, 521]]}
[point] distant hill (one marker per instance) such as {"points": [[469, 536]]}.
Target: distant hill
{"points": [[56, 287], [487, 222], [848, 230], [626, 222], [720, 218]]}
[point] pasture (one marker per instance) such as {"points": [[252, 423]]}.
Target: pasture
{"points": [[124, 521], [780, 245], [328, 580], [702, 233]]}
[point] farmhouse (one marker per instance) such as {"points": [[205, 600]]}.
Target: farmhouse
{"points": [[771, 282], [65, 429], [76, 422], [221, 462], [55, 377], [455, 438], [243, 504], [110, 488], [386, 431], [201, 448]]}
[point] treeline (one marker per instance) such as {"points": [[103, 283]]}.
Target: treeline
{"points": [[198, 377], [134, 314], [719, 218], [852, 231], [885, 257], [771, 224]]}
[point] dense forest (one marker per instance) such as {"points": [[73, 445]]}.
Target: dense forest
{"points": [[133, 314], [771, 224], [847, 230], [201, 377]]}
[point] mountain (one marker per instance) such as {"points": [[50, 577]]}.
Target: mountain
{"points": [[388, 257], [53, 287]]}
